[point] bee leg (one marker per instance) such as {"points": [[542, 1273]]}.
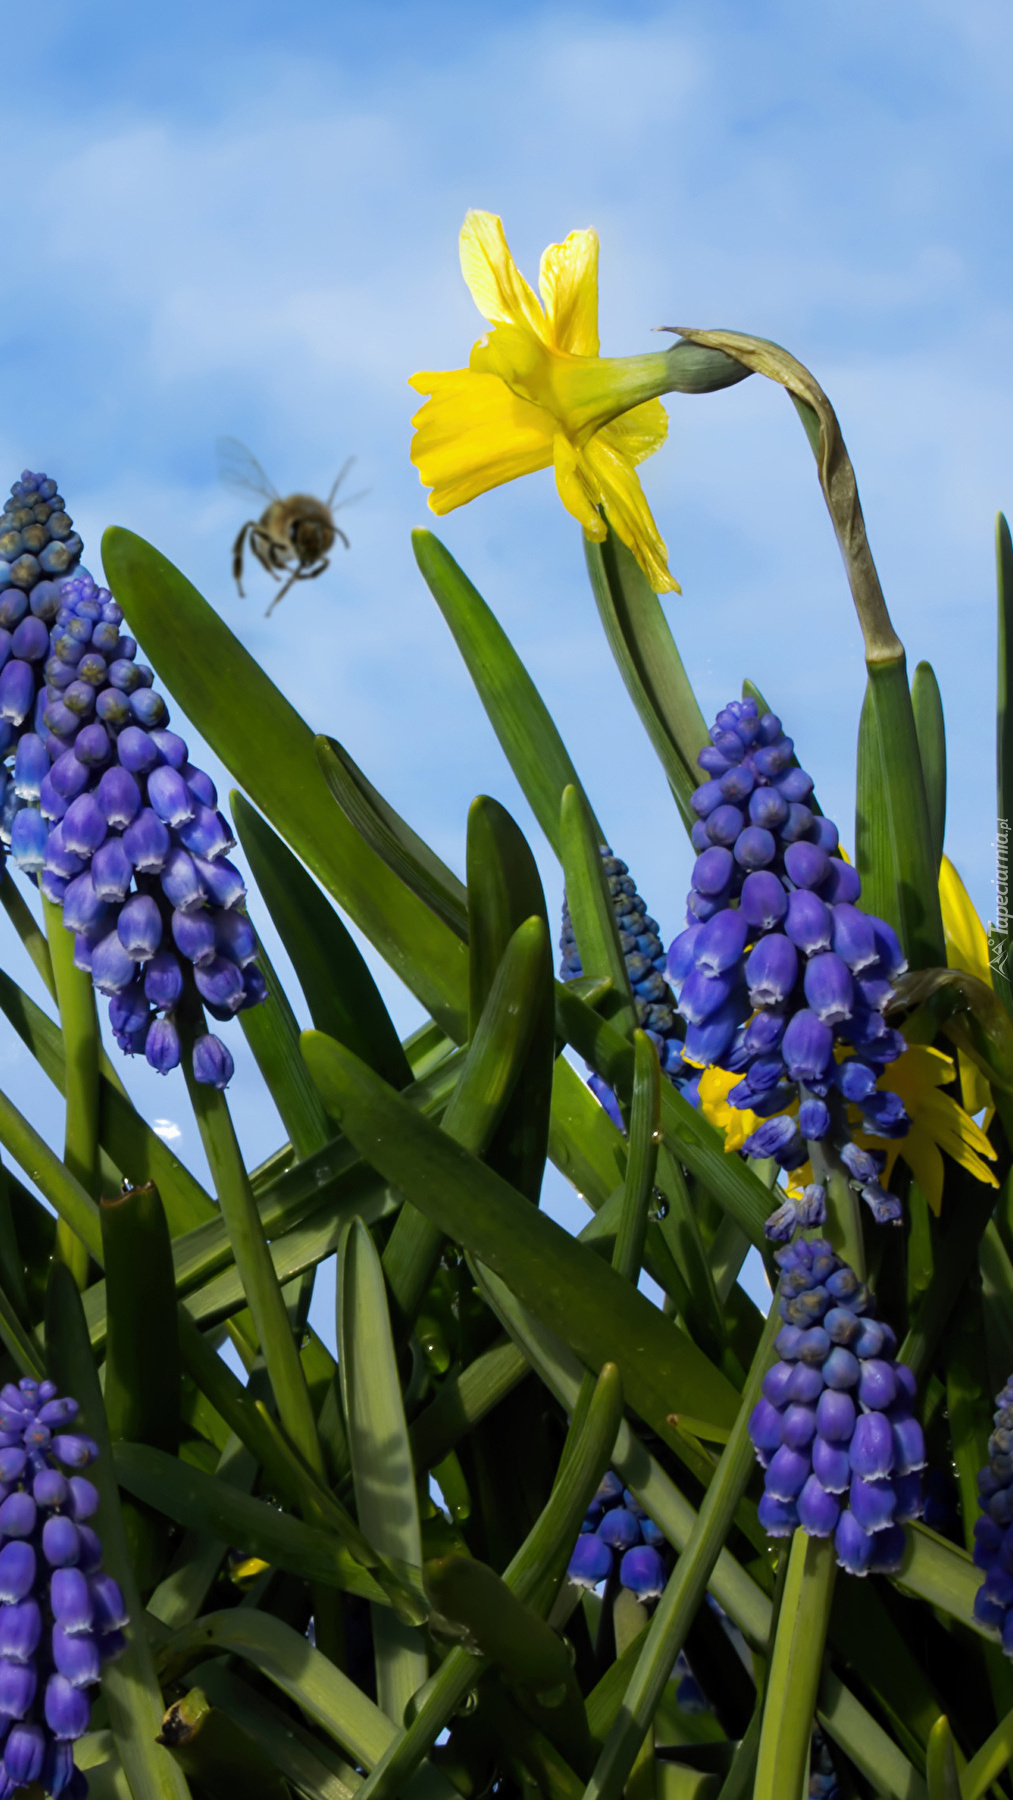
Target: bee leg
{"points": [[280, 595], [343, 536], [263, 549], [237, 557]]}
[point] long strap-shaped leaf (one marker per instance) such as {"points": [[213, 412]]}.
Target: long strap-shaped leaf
{"points": [[534, 1571], [130, 1686], [342, 997], [393, 840], [518, 714], [382, 1471], [649, 663], [322, 1692], [790, 1699], [270, 751], [603, 1318], [685, 1589]]}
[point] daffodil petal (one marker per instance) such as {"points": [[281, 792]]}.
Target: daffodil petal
{"points": [[926, 1164], [568, 283], [576, 492], [628, 511], [473, 434], [497, 286], [638, 433], [966, 941]]}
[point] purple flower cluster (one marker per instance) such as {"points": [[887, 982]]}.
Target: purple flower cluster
{"points": [[835, 1429], [61, 1617], [993, 1532], [616, 1525], [780, 976], [105, 809], [644, 955]]}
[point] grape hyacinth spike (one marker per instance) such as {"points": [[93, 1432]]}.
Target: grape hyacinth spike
{"points": [[835, 1429], [993, 1531], [617, 1532], [780, 977], [99, 801], [61, 1616], [644, 955]]}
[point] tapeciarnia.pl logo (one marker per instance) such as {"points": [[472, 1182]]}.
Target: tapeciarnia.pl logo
{"points": [[998, 937]]}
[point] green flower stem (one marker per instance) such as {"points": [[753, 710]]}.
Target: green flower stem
{"points": [[29, 930], [795, 1668], [645, 1131], [253, 1260], [75, 997], [988, 1763], [685, 1590]]}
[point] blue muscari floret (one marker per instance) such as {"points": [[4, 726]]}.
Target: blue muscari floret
{"points": [[993, 1532], [835, 1428], [616, 1526], [644, 955], [778, 970], [61, 1616], [103, 805], [823, 1782]]}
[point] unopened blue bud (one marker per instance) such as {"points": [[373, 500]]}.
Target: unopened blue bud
{"points": [[31, 765], [642, 1572], [220, 983], [139, 927], [712, 871], [136, 751], [828, 989], [754, 848], [212, 1063], [147, 842], [84, 825], [764, 901], [119, 796], [807, 1047], [111, 870], [162, 1047]]}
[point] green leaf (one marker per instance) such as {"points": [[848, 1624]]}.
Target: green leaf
{"points": [[314, 1770], [692, 1140], [379, 826], [645, 1131], [342, 997], [862, 1738], [382, 1471], [941, 1763], [641, 641], [532, 1657], [532, 1576], [271, 752], [602, 1317], [272, 1032], [790, 1698], [1003, 736], [590, 902], [491, 1070], [203, 1503], [463, 1399], [504, 890], [216, 1752], [79, 1027], [517, 713], [938, 1572], [136, 1150], [321, 1691], [142, 1349], [988, 1763], [685, 1589], [130, 1686], [931, 730], [894, 806]]}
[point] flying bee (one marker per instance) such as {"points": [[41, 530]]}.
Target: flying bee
{"points": [[299, 530]]}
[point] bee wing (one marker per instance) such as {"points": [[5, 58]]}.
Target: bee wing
{"points": [[239, 469], [341, 476]]}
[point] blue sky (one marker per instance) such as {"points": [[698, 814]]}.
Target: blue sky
{"points": [[242, 219]]}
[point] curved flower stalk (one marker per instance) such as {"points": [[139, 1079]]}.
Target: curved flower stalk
{"points": [[835, 1429], [616, 1527], [105, 809], [537, 395], [993, 1532], [784, 982], [61, 1616]]}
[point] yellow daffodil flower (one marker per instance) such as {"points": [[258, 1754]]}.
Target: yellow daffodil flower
{"points": [[966, 948], [537, 395], [715, 1085], [937, 1123]]}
